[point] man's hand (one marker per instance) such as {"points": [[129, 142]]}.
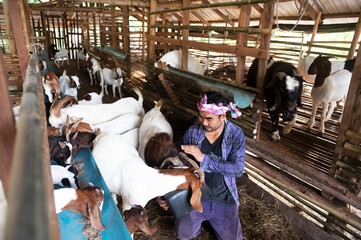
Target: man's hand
{"points": [[162, 203], [194, 151]]}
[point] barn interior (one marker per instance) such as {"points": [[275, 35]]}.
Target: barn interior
{"points": [[315, 178]]}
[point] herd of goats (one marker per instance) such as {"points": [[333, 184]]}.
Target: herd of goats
{"points": [[131, 147]]}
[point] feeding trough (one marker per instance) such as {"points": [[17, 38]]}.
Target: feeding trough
{"points": [[71, 225]]}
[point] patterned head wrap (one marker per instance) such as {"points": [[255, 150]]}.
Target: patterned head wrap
{"points": [[215, 109]]}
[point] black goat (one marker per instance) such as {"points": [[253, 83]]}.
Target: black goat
{"points": [[282, 90]]}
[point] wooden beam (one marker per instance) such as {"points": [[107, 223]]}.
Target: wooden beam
{"points": [[265, 23], [243, 51], [213, 5], [351, 108], [8, 26], [21, 49], [185, 35], [152, 20], [355, 39], [257, 7], [25, 18], [205, 22], [314, 32], [7, 128], [244, 19], [219, 13], [136, 3], [310, 11]]}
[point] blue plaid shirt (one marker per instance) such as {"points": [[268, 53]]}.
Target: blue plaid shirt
{"points": [[231, 164]]}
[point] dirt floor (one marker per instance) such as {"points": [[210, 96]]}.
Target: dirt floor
{"points": [[259, 219]]}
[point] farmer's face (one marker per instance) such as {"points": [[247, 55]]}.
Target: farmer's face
{"points": [[211, 122]]}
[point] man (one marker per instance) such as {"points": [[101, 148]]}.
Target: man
{"points": [[219, 147]]}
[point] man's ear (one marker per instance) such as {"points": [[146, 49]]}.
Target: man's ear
{"points": [[223, 116]]}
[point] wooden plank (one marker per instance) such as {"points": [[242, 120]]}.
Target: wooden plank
{"points": [[314, 32], [185, 35], [21, 49], [350, 109], [355, 39], [243, 51], [265, 23], [197, 15], [244, 20], [152, 21], [7, 126], [9, 26]]}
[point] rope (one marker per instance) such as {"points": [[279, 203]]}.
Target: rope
{"points": [[301, 12]]}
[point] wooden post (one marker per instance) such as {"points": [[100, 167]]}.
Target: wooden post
{"points": [[185, 35], [355, 39], [350, 110], [244, 19], [24, 10], [9, 27], [152, 20], [114, 29], [21, 49], [265, 23], [94, 29], [126, 39], [143, 34], [314, 32], [7, 126]]}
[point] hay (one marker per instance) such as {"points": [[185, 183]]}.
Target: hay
{"points": [[88, 231], [259, 219], [262, 220]]}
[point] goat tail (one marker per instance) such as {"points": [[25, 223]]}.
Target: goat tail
{"points": [[64, 72], [140, 95], [159, 104]]}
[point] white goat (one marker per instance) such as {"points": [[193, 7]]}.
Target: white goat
{"points": [[304, 64], [69, 85], [92, 98], [174, 59], [132, 137], [61, 55], [95, 69], [327, 89], [81, 55], [95, 114], [153, 122], [110, 77], [119, 125], [126, 174]]}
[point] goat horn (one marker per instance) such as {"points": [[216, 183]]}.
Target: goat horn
{"points": [[174, 160], [191, 161], [200, 174]]}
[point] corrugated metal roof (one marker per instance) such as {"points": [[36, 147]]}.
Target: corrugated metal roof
{"points": [[286, 9]]}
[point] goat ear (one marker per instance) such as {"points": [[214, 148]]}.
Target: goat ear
{"points": [[144, 227], [75, 135], [95, 216], [76, 123], [273, 95], [196, 194], [61, 144]]}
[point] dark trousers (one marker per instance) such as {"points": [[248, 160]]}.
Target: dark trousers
{"points": [[224, 220]]}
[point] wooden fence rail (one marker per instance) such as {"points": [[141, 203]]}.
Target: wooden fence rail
{"points": [[31, 213]]}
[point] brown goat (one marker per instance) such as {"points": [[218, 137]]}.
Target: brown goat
{"points": [[136, 218], [87, 202], [164, 146]]}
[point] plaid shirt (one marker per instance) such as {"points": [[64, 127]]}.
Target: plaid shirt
{"points": [[232, 162]]}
